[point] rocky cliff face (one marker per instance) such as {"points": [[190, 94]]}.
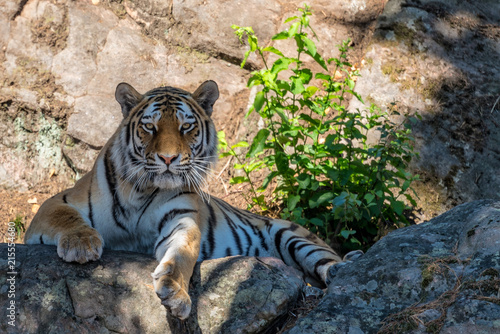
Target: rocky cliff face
{"points": [[441, 277], [60, 62]]}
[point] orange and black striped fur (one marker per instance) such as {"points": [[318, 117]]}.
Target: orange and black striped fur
{"points": [[143, 194]]}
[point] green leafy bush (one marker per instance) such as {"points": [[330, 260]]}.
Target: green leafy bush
{"points": [[328, 177]]}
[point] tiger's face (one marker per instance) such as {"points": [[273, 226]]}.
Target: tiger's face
{"points": [[168, 135]]}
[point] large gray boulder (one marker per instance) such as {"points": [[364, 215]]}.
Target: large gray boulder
{"points": [[240, 295], [441, 276], [115, 294]]}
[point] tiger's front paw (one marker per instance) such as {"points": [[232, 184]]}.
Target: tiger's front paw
{"points": [[168, 286], [81, 245]]}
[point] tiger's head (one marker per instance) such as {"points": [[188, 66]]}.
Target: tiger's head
{"points": [[167, 139]]}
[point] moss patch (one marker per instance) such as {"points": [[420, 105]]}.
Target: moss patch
{"points": [[35, 140]]}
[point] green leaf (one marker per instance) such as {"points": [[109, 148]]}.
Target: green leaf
{"points": [[292, 31], [254, 165], [261, 201], [339, 200], [283, 85], [355, 241], [240, 144], [258, 143], [292, 201], [310, 120], [297, 86], [291, 19], [398, 207], [282, 115], [259, 101], [323, 76], [310, 46], [317, 222], [227, 154], [311, 90], [268, 179], [369, 198], [281, 64], [406, 185], [273, 50], [347, 233], [411, 200], [280, 35], [333, 174], [303, 180], [317, 57], [239, 179], [282, 162], [252, 41], [239, 166], [350, 83], [345, 175], [360, 99], [320, 198]]}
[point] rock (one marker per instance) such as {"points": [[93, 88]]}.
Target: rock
{"points": [[154, 15], [441, 276], [206, 25], [85, 41], [439, 59], [355, 12], [37, 136], [79, 156], [84, 123], [115, 294], [240, 295]]}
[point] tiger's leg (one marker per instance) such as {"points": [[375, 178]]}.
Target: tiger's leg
{"points": [[57, 223], [303, 250], [177, 250]]}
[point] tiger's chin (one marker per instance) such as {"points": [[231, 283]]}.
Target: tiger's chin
{"points": [[168, 181]]}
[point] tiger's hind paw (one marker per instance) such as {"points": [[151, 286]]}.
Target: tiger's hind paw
{"points": [[175, 299], [348, 258], [353, 255], [82, 245], [332, 271]]}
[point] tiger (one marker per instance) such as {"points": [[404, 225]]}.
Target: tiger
{"points": [[144, 194]]}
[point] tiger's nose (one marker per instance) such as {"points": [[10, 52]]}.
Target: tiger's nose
{"points": [[168, 158]]}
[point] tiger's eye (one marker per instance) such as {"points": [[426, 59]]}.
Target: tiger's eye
{"points": [[186, 126], [149, 126]]}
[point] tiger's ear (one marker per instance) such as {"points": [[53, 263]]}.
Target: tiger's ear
{"points": [[128, 97], [206, 95]]}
